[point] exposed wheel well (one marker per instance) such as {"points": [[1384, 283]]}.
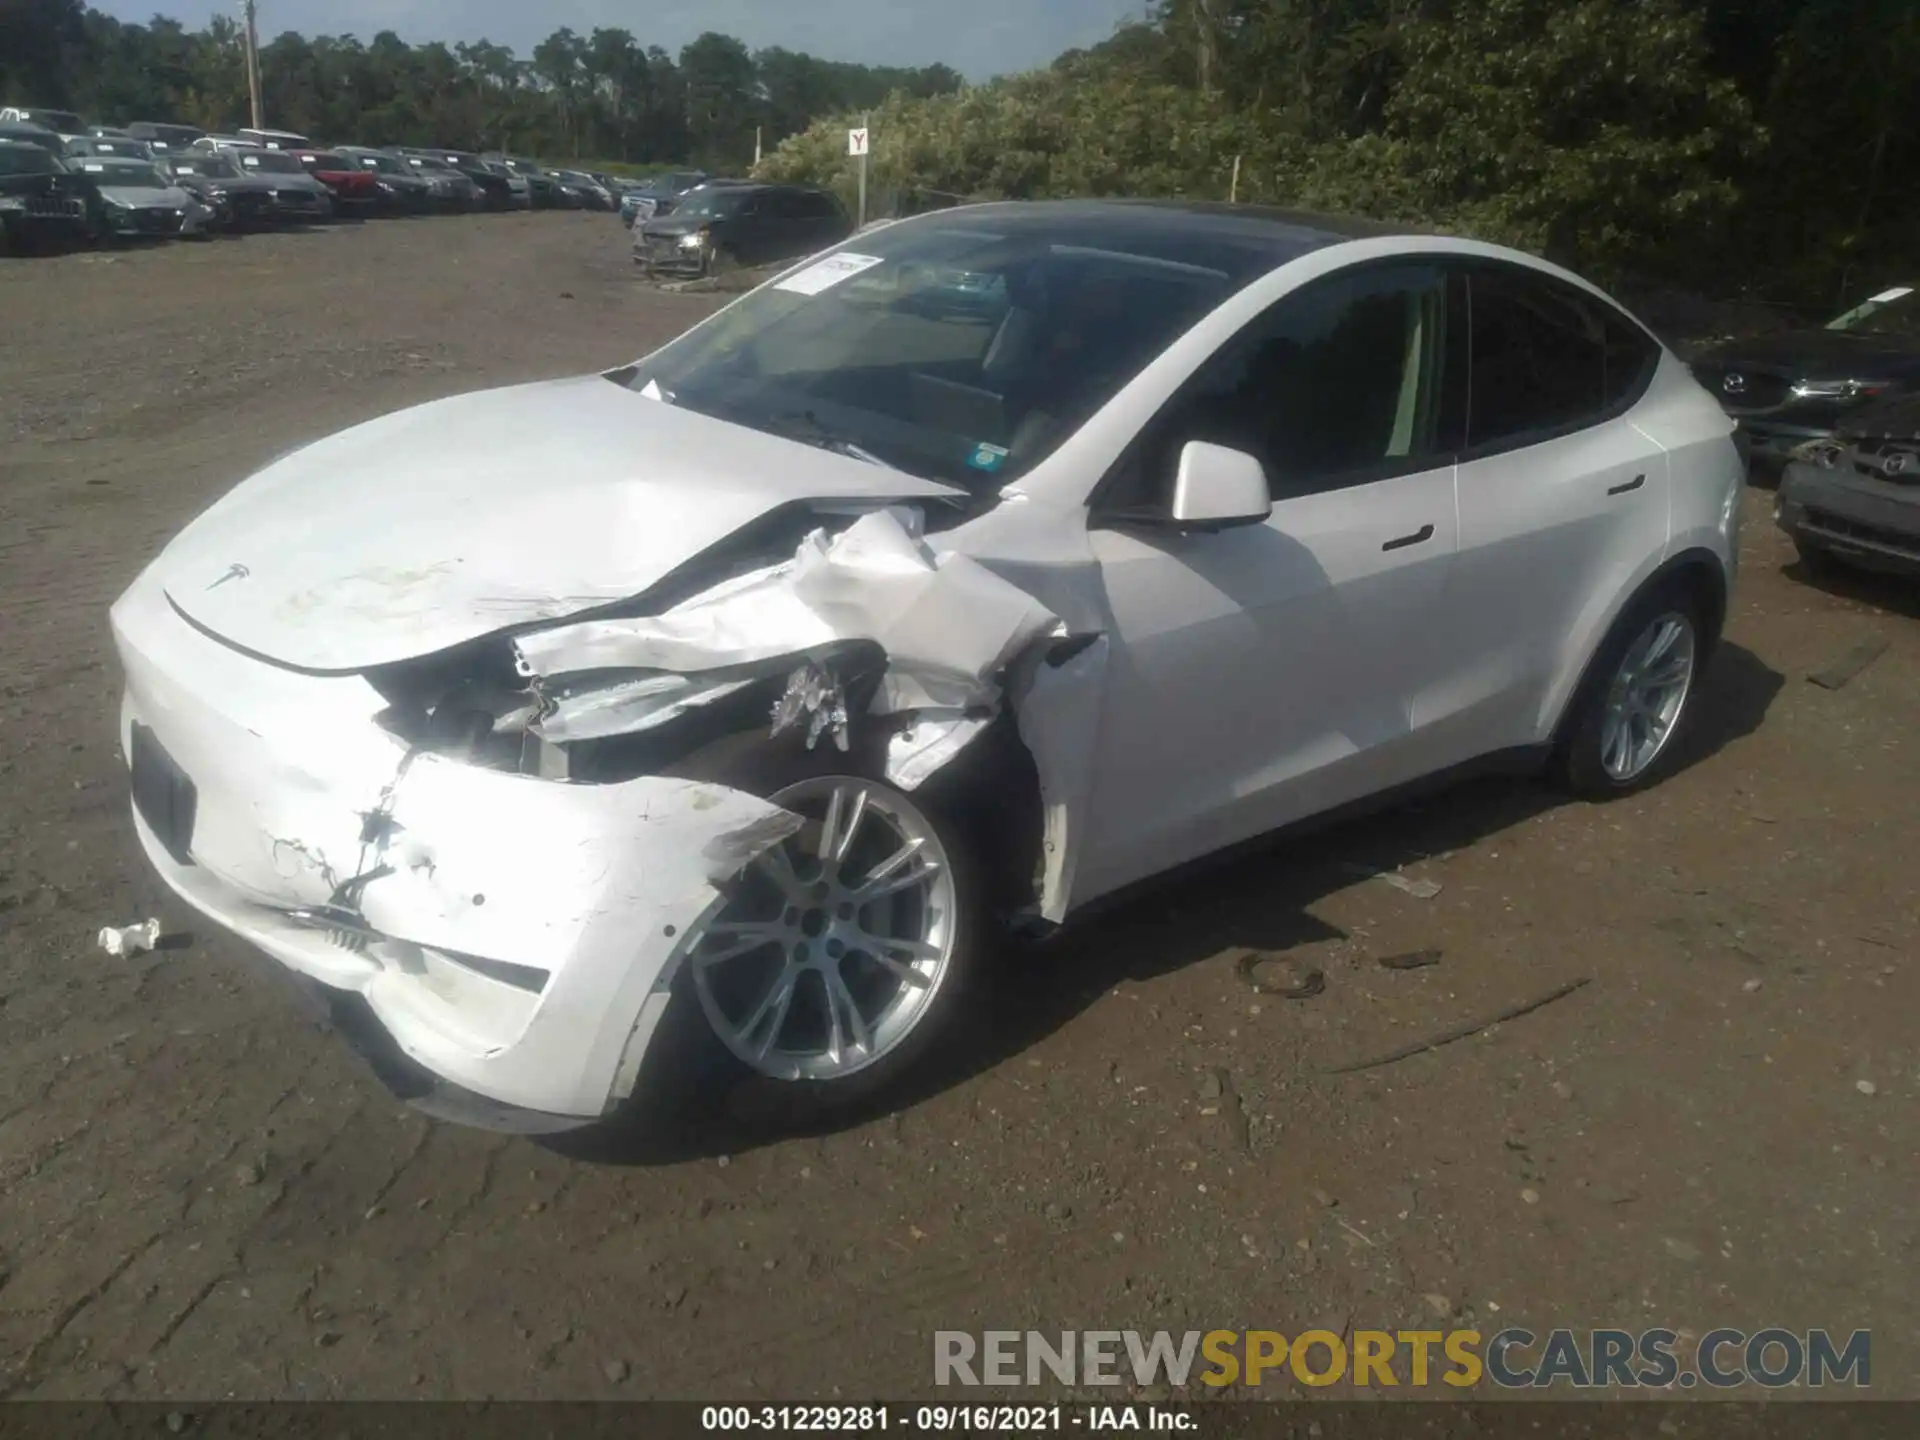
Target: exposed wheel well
{"points": [[1700, 572]]}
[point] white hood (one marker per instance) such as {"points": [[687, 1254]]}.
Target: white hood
{"points": [[449, 521]]}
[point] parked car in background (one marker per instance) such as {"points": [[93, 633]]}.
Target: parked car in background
{"points": [[297, 196], [1854, 498], [717, 225], [126, 149], [26, 133], [451, 188], [401, 190], [659, 195], [1308, 510], [500, 187], [519, 187], [543, 190], [163, 135], [42, 201], [247, 201], [61, 122], [140, 200], [1795, 386], [275, 139], [356, 189], [588, 192]]}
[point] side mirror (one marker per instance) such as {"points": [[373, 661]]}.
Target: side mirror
{"points": [[1215, 488]]}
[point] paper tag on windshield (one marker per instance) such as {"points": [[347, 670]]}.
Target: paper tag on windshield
{"points": [[827, 273], [1885, 295]]}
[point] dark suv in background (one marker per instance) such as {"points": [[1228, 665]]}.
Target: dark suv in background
{"points": [[1796, 386], [41, 200], [718, 225]]}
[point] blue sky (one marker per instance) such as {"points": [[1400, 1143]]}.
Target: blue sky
{"points": [[979, 38]]}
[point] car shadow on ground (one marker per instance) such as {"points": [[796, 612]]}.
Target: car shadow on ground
{"points": [[1895, 594], [1261, 898]]}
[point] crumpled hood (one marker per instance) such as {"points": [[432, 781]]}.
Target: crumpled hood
{"points": [[449, 521]]}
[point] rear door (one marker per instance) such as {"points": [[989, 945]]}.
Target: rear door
{"points": [[1563, 501]]}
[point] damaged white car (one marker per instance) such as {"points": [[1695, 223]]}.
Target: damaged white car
{"points": [[970, 573]]}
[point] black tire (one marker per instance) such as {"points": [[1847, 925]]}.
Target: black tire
{"points": [[761, 766], [1577, 762]]}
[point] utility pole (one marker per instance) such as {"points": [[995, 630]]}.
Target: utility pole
{"points": [[253, 64]]}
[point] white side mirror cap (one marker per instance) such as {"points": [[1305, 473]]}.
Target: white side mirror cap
{"points": [[1216, 487]]}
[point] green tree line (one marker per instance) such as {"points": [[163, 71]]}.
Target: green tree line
{"points": [[604, 94], [1765, 146]]}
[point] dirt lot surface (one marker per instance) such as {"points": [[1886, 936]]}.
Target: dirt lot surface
{"points": [[206, 1195]]}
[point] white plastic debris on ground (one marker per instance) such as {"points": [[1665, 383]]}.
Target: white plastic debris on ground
{"points": [[948, 625], [130, 939]]}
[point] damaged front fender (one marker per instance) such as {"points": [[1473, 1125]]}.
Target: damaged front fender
{"points": [[947, 628]]}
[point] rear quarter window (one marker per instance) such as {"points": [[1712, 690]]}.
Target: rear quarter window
{"points": [[1548, 358]]}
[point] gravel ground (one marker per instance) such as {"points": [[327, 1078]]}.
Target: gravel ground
{"points": [[208, 1196]]}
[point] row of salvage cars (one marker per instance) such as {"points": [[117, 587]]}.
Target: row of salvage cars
{"points": [[736, 705], [1835, 411], [97, 183]]}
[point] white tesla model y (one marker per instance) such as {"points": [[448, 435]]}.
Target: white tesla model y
{"points": [[974, 571]]}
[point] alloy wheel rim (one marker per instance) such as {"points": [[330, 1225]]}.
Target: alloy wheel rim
{"points": [[833, 943], [1646, 697]]}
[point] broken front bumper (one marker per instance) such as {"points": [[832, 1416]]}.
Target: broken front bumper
{"points": [[514, 936], [1875, 523]]}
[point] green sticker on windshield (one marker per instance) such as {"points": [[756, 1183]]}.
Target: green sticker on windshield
{"points": [[987, 457]]}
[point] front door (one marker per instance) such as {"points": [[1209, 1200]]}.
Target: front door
{"points": [[1262, 674]]}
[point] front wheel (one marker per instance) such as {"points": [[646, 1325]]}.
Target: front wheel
{"points": [[1620, 735], [839, 958]]}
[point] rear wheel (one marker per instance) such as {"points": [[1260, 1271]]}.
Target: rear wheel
{"points": [[1620, 735]]}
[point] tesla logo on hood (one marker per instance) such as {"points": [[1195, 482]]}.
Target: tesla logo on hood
{"points": [[1735, 384], [234, 572]]}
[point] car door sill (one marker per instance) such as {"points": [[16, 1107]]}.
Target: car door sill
{"points": [[1518, 762]]}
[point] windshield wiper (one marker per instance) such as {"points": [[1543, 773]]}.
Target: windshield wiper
{"points": [[826, 438]]}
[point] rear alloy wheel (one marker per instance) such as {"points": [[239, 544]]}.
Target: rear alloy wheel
{"points": [[1636, 700], [840, 946]]}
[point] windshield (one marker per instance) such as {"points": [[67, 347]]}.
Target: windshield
{"points": [[111, 147], [173, 135], [385, 164], [710, 203], [273, 163], [216, 167], [64, 121], [956, 350], [327, 162], [27, 160], [1891, 312], [125, 177]]}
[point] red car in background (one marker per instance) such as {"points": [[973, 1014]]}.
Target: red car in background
{"points": [[356, 190]]}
